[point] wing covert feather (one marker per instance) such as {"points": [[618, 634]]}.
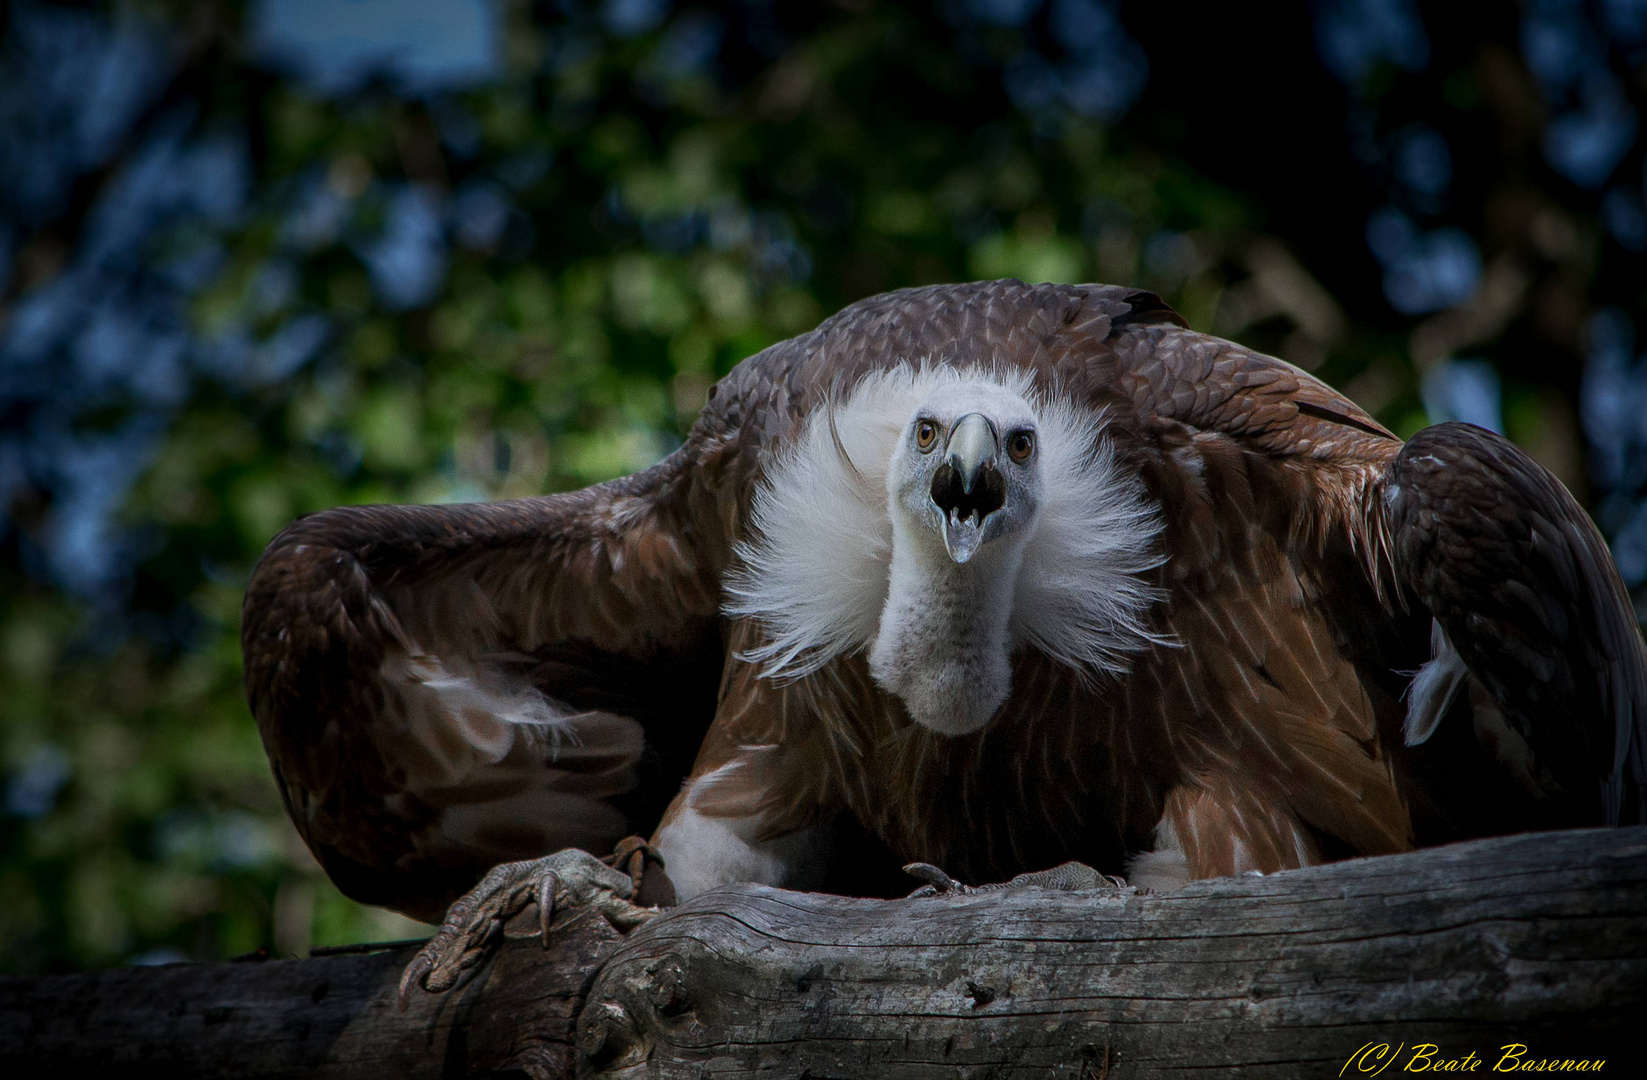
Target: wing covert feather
{"points": [[1521, 581], [442, 688]]}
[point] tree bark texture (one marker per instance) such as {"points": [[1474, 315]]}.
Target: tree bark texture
{"points": [[331, 1017], [1353, 968]]}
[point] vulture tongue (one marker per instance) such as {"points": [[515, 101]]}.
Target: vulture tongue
{"points": [[964, 511]]}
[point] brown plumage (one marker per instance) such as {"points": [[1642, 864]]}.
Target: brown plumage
{"points": [[444, 688]]}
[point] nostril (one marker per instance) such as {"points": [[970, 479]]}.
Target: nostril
{"points": [[950, 495]]}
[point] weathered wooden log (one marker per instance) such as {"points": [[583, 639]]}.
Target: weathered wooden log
{"points": [[329, 1017], [1396, 963], [1533, 940]]}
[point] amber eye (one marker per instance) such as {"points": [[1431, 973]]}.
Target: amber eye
{"points": [[1020, 445], [926, 434]]}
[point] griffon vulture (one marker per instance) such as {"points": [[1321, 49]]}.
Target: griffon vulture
{"points": [[986, 576]]}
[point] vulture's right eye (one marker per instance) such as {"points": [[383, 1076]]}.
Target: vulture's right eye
{"points": [[926, 435]]}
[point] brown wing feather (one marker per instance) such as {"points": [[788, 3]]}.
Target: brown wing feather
{"points": [[400, 661], [1516, 573], [1263, 698]]}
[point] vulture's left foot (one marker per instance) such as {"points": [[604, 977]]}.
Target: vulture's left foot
{"points": [[1069, 877], [569, 878]]}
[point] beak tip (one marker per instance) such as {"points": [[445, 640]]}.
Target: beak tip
{"points": [[961, 538]]}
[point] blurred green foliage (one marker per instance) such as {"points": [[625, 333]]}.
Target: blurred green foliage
{"points": [[662, 225]]}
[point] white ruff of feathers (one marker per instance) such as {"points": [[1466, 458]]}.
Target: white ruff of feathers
{"points": [[817, 572]]}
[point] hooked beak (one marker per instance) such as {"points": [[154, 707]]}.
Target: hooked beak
{"points": [[968, 486]]}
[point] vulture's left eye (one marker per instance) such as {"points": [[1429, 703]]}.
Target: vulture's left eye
{"points": [[1021, 444], [926, 434]]}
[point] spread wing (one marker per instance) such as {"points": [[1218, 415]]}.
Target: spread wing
{"points": [[1529, 612], [1274, 687], [1529, 607], [443, 688]]}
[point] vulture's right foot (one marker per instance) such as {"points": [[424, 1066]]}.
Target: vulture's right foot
{"points": [[1069, 877], [474, 922]]}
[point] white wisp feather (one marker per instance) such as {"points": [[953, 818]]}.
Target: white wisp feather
{"points": [[1081, 595]]}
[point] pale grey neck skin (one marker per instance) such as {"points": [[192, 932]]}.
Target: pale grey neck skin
{"points": [[944, 646], [944, 642]]}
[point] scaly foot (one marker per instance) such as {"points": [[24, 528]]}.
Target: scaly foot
{"points": [[566, 878], [1070, 877]]}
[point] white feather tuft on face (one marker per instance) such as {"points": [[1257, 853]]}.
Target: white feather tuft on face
{"points": [[816, 572], [1082, 598]]}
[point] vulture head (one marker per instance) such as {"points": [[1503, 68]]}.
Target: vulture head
{"points": [[937, 520], [967, 470], [964, 492]]}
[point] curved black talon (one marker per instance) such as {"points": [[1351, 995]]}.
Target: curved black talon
{"points": [[938, 883], [548, 886]]}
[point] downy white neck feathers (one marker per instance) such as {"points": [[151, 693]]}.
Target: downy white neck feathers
{"points": [[830, 571]]}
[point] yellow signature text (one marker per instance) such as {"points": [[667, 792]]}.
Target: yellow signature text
{"points": [[1375, 1057]]}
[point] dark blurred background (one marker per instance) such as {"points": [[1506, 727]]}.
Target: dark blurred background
{"points": [[259, 259]]}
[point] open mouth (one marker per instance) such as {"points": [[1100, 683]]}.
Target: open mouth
{"points": [[949, 492]]}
